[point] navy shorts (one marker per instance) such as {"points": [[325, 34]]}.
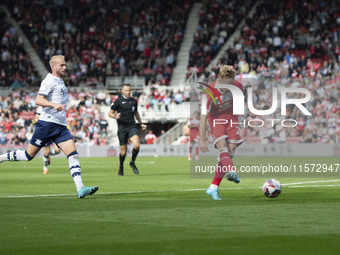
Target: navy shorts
{"points": [[48, 143], [48, 131], [124, 133]]}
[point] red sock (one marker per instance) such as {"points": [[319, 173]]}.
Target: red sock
{"points": [[225, 165], [197, 150]]}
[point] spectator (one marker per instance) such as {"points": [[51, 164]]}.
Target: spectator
{"points": [[101, 95], [166, 102], [103, 123], [178, 97]]}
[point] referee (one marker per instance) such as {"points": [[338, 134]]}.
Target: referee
{"points": [[124, 109]]}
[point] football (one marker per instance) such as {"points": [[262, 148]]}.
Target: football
{"points": [[272, 188]]}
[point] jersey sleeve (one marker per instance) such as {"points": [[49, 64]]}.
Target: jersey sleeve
{"points": [[46, 87], [209, 102], [136, 109], [39, 110], [207, 97], [206, 101], [114, 105]]}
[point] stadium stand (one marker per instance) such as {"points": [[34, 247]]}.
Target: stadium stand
{"points": [[107, 37], [16, 68], [217, 20], [280, 45]]}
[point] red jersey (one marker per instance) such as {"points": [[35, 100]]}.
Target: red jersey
{"points": [[150, 138], [193, 121], [227, 101]]}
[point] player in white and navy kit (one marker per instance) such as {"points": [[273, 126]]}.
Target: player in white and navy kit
{"points": [[47, 149], [53, 97]]}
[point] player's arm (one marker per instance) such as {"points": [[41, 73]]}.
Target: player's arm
{"points": [[42, 101], [193, 125], [137, 116], [36, 118], [203, 129], [114, 114]]}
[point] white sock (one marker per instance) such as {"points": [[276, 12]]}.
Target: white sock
{"points": [[75, 170], [16, 155], [213, 186], [45, 161]]}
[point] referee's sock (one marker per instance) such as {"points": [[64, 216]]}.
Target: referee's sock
{"points": [[121, 159], [134, 154]]}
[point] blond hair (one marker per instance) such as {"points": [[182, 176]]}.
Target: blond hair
{"points": [[53, 59], [227, 72]]}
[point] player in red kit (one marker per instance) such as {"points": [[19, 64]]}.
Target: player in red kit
{"points": [[150, 137], [226, 136], [194, 124]]}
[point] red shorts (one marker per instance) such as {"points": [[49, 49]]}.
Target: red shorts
{"points": [[226, 127], [194, 136]]}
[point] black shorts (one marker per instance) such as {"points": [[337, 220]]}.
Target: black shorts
{"points": [[124, 133]]}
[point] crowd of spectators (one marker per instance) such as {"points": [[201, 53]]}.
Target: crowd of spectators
{"points": [[16, 69], [17, 111], [289, 43], [285, 43], [286, 39], [86, 124], [100, 38], [323, 126], [217, 21], [160, 99]]}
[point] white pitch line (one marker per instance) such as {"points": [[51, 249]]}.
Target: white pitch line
{"points": [[286, 184], [122, 192], [161, 191], [314, 186]]}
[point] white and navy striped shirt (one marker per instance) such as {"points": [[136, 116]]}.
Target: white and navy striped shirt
{"points": [[54, 90]]}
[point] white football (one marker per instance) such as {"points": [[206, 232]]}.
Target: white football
{"points": [[272, 188]]}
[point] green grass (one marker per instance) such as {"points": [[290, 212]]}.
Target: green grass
{"points": [[162, 211]]}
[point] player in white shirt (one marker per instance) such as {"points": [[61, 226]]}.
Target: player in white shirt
{"points": [[52, 125], [47, 149]]}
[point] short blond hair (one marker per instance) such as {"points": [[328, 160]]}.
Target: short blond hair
{"points": [[53, 58], [227, 72]]}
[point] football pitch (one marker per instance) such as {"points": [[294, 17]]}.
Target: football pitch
{"points": [[163, 211]]}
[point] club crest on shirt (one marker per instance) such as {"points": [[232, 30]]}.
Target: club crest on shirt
{"points": [[63, 91]]}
